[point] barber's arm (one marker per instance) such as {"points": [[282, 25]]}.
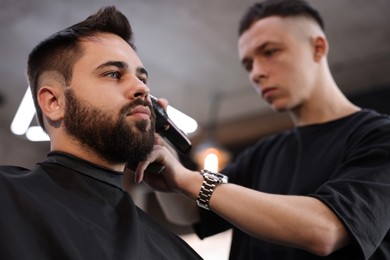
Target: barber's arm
{"points": [[297, 221]]}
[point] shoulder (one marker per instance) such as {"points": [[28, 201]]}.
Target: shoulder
{"points": [[12, 179], [11, 171], [12, 176], [370, 117], [370, 123]]}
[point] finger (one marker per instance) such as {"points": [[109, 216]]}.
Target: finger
{"points": [[142, 166], [163, 102], [158, 139], [156, 156], [140, 171]]}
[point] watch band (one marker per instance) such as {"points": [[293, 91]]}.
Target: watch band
{"points": [[210, 181]]}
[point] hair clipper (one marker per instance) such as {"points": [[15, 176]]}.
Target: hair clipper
{"points": [[167, 129]]}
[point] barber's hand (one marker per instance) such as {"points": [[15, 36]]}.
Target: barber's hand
{"points": [[163, 102], [172, 176], [158, 140]]}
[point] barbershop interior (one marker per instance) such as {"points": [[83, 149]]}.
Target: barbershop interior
{"points": [[189, 49]]}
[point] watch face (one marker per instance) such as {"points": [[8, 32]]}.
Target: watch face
{"points": [[212, 178], [215, 175]]}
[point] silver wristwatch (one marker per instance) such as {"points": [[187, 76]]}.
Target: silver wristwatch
{"points": [[210, 181]]}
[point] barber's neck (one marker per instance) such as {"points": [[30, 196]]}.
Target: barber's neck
{"points": [[319, 115], [325, 105]]}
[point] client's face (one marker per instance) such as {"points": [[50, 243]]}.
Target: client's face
{"points": [[108, 110], [114, 138]]}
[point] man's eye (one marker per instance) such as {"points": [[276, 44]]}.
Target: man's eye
{"points": [[248, 66], [144, 80], [113, 74], [269, 53]]}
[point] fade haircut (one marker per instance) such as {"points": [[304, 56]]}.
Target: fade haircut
{"points": [[282, 8], [59, 52]]}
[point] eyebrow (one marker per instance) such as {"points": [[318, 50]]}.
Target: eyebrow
{"points": [[118, 64], [141, 70], [260, 48], [122, 65]]}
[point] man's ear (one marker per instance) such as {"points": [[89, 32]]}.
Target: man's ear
{"points": [[320, 45], [51, 100]]}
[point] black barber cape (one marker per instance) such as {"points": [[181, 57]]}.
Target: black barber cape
{"points": [[68, 208]]}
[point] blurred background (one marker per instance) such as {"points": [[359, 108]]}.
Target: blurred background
{"points": [[189, 48]]}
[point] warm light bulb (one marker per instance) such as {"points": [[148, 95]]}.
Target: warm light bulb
{"points": [[211, 162]]}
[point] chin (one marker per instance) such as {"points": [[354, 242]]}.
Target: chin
{"points": [[281, 105], [279, 108]]}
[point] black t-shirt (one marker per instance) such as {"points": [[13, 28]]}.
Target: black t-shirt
{"points": [[67, 208], [344, 163]]}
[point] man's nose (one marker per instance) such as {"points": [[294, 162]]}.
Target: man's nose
{"points": [[139, 90], [258, 73]]}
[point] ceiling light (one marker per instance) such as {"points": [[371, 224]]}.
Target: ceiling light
{"points": [[36, 134], [24, 115], [187, 124]]}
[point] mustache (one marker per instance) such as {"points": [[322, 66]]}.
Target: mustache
{"points": [[126, 109]]}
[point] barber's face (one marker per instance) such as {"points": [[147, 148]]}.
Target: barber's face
{"points": [[279, 60], [108, 109]]}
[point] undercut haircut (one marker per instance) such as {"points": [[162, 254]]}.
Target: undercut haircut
{"points": [[59, 52], [282, 8]]}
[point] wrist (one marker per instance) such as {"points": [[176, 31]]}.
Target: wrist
{"points": [[192, 184], [210, 182]]}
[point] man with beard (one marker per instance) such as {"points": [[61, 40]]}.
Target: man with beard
{"points": [[89, 89]]}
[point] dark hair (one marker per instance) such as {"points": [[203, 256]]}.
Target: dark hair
{"points": [[60, 51], [283, 8]]}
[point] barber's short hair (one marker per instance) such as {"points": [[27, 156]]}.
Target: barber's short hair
{"points": [[60, 51], [282, 8]]}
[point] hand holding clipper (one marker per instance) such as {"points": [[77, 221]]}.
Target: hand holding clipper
{"points": [[167, 129]]}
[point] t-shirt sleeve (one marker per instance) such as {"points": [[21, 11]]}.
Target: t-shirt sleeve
{"points": [[359, 191], [210, 224]]}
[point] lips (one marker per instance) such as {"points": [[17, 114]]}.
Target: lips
{"points": [[140, 111], [266, 92]]}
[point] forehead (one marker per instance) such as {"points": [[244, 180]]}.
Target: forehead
{"points": [[107, 47], [273, 29]]}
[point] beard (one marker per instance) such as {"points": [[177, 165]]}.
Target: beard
{"points": [[112, 138]]}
